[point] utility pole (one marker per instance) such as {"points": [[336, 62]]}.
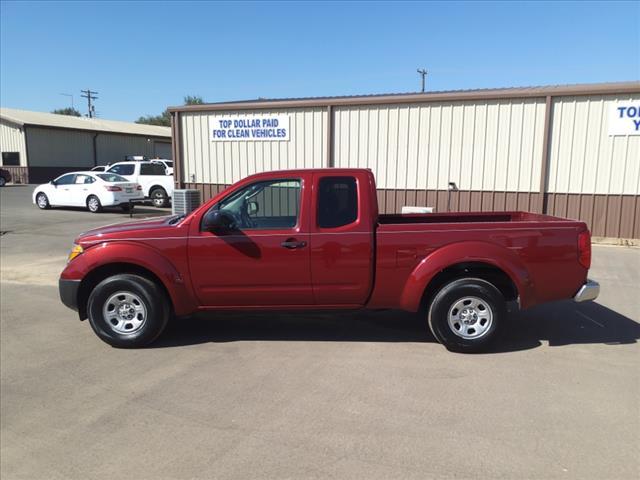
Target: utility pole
{"points": [[89, 95], [423, 74]]}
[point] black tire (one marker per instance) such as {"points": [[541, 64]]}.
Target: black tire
{"points": [[159, 197], [127, 288], [42, 201], [93, 204], [466, 315]]}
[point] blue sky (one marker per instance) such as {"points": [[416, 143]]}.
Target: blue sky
{"points": [[143, 57]]}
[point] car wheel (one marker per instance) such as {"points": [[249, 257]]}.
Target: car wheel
{"points": [[128, 311], [3, 181], [466, 314], [42, 201], [93, 204], [159, 197]]}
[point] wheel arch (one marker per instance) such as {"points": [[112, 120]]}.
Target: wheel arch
{"points": [[101, 261], [487, 261], [98, 274]]}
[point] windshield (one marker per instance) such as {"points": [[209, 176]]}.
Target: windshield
{"points": [[111, 177]]}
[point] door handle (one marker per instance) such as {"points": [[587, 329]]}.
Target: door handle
{"points": [[292, 244]]}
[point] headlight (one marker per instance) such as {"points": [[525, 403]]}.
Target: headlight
{"points": [[75, 251]]}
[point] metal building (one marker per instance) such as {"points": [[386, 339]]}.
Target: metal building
{"points": [[37, 147], [572, 151]]}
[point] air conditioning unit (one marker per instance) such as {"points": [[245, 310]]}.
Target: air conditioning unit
{"points": [[185, 201]]}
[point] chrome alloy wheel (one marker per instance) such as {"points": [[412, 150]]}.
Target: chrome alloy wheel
{"points": [[42, 200], [470, 318], [93, 204], [124, 312]]}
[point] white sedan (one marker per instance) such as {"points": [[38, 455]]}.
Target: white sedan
{"points": [[92, 190]]}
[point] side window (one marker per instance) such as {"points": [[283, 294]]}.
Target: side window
{"points": [[11, 158], [66, 179], [84, 179], [122, 169], [273, 204], [337, 201], [152, 169]]}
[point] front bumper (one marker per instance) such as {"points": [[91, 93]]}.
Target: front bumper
{"points": [[69, 292], [589, 291]]}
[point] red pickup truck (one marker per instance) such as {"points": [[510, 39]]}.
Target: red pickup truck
{"points": [[313, 239]]}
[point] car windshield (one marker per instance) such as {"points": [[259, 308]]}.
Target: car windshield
{"points": [[112, 177]]}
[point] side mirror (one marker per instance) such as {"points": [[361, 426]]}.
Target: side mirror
{"points": [[218, 220], [253, 208], [53, 182]]}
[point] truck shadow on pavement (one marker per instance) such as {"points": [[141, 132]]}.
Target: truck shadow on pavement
{"points": [[560, 323]]}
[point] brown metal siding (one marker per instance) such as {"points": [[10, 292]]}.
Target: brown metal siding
{"points": [[606, 215]]}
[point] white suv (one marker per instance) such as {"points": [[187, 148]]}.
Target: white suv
{"points": [[156, 185]]}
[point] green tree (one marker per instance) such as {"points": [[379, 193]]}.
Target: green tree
{"points": [[67, 111], [193, 100], [164, 119]]}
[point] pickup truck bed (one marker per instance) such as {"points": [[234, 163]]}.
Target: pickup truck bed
{"points": [[313, 239]]}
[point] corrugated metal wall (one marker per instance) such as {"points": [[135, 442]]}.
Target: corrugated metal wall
{"points": [[593, 176], [226, 162], [162, 150], [492, 149], [489, 146], [59, 148], [583, 157], [12, 140], [113, 148]]}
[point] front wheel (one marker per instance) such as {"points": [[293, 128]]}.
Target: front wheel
{"points": [[128, 311], [159, 197], [42, 201], [466, 314]]}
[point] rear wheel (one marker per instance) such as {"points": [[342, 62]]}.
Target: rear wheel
{"points": [[128, 311], [159, 197], [466, 314], [93, 204]]}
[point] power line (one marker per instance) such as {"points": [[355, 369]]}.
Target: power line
{"points": [[423, 74], [69, 95], [90, 96]]}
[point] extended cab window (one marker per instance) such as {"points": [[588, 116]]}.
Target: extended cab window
{"points": [[272, 204], [337, 202], [122, 169], [152, 169]]}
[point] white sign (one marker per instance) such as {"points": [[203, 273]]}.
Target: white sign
{"points": [[250, 128], [624, 118]]}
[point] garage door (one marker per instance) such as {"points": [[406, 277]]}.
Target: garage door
{"points": [[162, 150]]}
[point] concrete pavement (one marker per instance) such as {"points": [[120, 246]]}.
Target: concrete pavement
{"points": [[364, 395]]}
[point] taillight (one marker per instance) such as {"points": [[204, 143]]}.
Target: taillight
{"points": [[584, 249], [113, 188], [139, 187]]}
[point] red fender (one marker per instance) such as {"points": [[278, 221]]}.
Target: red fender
{"points": [[463, 252], [137, 254]]}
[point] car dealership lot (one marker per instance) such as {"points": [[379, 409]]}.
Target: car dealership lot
{"points": [[362, 395]]}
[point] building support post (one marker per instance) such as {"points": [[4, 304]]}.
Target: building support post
{"points": [[546, 139], [329, 146]]}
